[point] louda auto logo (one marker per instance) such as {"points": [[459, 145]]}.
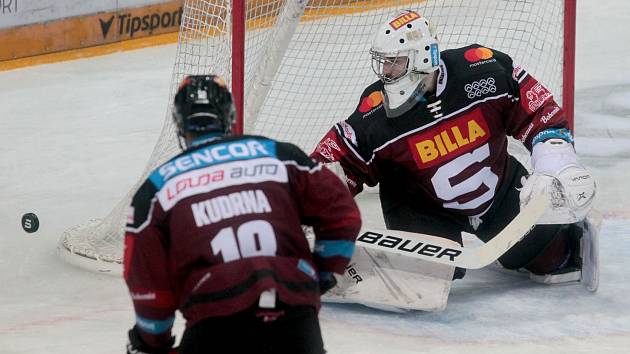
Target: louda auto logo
{"points": [[129, 24], [371, 101], [480, 88], [479, 56]]}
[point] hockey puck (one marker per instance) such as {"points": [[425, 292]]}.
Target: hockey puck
{"points": [[30, 222]]}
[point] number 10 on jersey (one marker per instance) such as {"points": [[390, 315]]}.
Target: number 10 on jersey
{"points": [[251, 239]]}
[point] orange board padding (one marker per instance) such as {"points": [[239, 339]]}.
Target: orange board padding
{"points": [[91, 30]]}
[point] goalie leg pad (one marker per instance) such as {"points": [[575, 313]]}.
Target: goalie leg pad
{"points": [[393, 282], [585, 266], [590, 251]]}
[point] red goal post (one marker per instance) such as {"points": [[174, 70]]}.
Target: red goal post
{"points": [[296, 67]]}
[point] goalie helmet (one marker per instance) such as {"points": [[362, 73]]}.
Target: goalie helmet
{"points": [[203, 105], [404, 53]]}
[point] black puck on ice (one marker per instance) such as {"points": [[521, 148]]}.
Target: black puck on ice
{"points": [[30, 222]]}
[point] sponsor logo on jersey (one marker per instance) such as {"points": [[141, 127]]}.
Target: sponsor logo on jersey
{"points": [[536, 97], [526, 133], [211, 155], [449, 139], [348, 132], [327, 148], [228, 206], [208, 179], [350, 182], [547, 117], [404, 19], [474, 55], [370, 102], [479, 56], [142, 296], [193, 181], [163, 299], [480, 88]]}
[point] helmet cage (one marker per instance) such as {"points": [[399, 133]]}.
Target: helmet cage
{"points": [[391, 68], [408, 36]]}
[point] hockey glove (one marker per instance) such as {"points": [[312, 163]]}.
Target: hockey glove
{"points": [[136, 345], [569, 186], [327, 281]]}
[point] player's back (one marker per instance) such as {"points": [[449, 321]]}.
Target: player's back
{"points": [[229, 214]]}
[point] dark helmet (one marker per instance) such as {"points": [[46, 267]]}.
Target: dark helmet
{"points": [[203, 104]]}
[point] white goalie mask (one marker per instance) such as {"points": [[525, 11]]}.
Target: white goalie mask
{"points": [[404, 54]]}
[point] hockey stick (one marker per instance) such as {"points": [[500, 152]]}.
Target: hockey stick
{"points": [[440, 250]]}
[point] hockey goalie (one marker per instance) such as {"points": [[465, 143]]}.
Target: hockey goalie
{"points": [[432, 132]]}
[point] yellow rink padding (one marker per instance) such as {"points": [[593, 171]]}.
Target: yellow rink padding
{"points": [[128, 29]]}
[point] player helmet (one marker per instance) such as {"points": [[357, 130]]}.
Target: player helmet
{"points": [[203, 105], [404, 53]]}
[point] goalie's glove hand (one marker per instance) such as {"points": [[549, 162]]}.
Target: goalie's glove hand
{"points": [[568, 185], [136, 345], [327, 281]]}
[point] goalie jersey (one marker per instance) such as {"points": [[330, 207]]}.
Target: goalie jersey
{"points": [[448, 152], [215, 226]]}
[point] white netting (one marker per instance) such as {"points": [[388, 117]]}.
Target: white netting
{"points": [[307, 63]]}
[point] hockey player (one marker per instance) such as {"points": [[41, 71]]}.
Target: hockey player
{"points": [[432, 133], [215, 232]]}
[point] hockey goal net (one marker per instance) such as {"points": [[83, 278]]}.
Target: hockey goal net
{"points": [[306, 63]]}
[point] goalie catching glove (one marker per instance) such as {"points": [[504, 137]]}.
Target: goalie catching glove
{"points": [[568, 185]]}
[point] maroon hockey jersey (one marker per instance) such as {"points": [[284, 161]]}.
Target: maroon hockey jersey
{"points": [[450, 150], [215, 226]]}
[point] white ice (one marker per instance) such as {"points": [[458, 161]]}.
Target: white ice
{"points": [[75, 136]]}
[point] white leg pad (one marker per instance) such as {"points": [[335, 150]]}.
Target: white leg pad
{"points": [[590, 251], [393, 282], [588, 276]]}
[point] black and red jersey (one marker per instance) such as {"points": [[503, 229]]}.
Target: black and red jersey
{"points": [[214, 227], [450, 150]]}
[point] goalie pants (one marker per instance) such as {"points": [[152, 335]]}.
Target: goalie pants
{"points": [[286, 329], [544, 249]]}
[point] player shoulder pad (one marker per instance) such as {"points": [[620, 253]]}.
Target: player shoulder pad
{"points": [[368, 112], [476, 59], [371, 102], [141, 204], [288, 152]]}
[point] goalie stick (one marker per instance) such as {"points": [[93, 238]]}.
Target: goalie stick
{"points": [[440, 250]]}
